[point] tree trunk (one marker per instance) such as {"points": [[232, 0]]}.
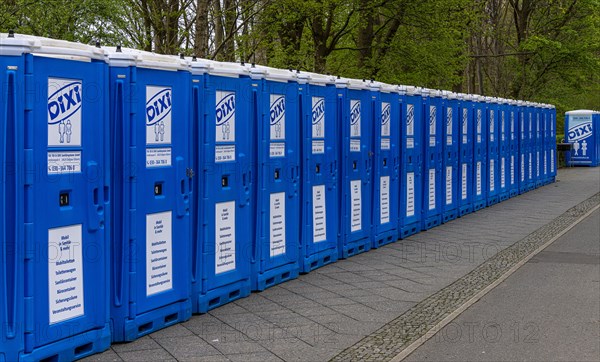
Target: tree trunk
{"points": [[201, 38]]}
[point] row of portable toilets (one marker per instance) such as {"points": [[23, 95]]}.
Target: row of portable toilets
{"points": [[142, 188]]}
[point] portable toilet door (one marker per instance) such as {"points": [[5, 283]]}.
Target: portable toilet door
{"points": [[552, 142], [513, 178], [385, 110], [545, 135], [523, 149], [492, 151], [504, 150], [276, 251], [432, 166], [54, 302], [320, 164], [411, 164], [450, 156], [465, 167], [538, 138], [581, 133], [355, 123], [480, 153], [530, 157]]}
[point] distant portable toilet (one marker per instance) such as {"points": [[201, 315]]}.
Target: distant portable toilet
{"points": [[411, 164], [55, 196], [504, 149], [523, 147], [480, 153], [355, 123], [544, 150], [466, 166], [320, 171], [513, 178], [582, 129], [386, 162], [492, 151], [151, 241], [276, 251], [227, 199], [530, 151], [450, 157], [538, 141], [552, 143], [432, 165]]}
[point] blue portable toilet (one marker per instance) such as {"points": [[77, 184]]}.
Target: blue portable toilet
{"points": [[552, 142], [55, 171], [479, 153], [411, 164], [150, 239], [228, 110], [450, 156], [513, 111], [504, 150], [522, 149], [276, 250], [538, 141], [544, 151], [582, 129], [465, 168], [432, 165], [386, 162], [530, 156], [492, 150], [320, 164], [355, 123]]}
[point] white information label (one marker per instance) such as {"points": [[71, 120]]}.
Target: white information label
{"points": [[464, 140], [318, 146], [431, 189], [448, 185], [492, 175], [463, 182], [318, 117], [530, 166], [277, 117], [355, 145], [224, 237], [410, 194], [224, 153], [410, 120], [537, 164], [385, 144], [65, 273], [522, 168], [545, 162], [159, 252], [355, 118], [512, 170], [356, 203], [449, 140], [277, 224], [319, 214], [60, 162], [225, 117], [277, 149], [432, 141], [478, 178], [158, 157], [65, 99], [502, 173], [385, 119], [551, 161], [384, 199], [410, 143], [158, 115]]}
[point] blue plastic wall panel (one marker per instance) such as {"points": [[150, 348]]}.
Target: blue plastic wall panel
{"points": [[320, 193], [466, 164], [432, 165], [151, 242], [355, 122], [276, 253], [480, 136], [54, 204], [411, 164], [493, 141], [581, 128], [386, 166], [450, 167], [513, 119], [504, 151], [227, 195]]}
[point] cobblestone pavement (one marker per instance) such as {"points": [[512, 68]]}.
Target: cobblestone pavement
{"points": [[369, 307]]}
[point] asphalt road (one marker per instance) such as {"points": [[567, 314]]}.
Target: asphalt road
{"points": [[548, 310]]}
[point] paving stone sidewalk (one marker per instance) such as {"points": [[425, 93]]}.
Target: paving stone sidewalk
{"points": [[330, 311]]}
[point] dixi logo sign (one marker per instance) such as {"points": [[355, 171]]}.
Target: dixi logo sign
{"points": [[318, 111], [355, 113], [225, 109], [580, 131], [449, 117], [63, 103], [385, 114], [277, 111], [158, 107], [410, 116]]}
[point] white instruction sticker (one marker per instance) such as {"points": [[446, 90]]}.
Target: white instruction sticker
{"points": [[551, 161], [355, 118], [158, 157], [410, 120], [319, 214], [463, 182], [277, 117], [65, 99], [448, 185], [432, 141], [384, 199], [318, 146], [385, 119], [522, 168], [65, 273], [277, 149], [225, 117], [356, 205], [277, 224], [224, 153], [431, 188], [385, 144], [410, 143], [512, 170], [545, 162], [318, 117], [224, 237], [355, 145], [158, 115], [537, 164], [410, 194], [60, 162], [492, 175], [502, 173], [530, 166], [478, 177], [159, 252]]}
